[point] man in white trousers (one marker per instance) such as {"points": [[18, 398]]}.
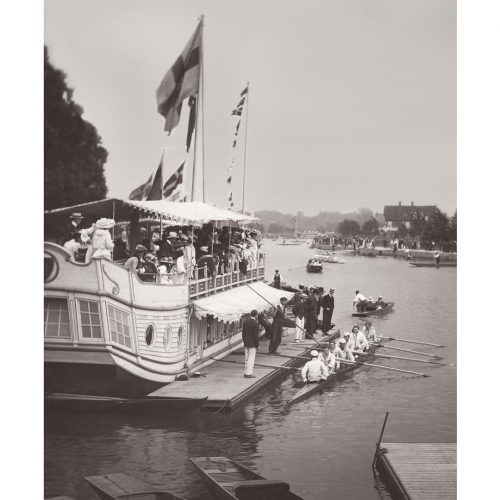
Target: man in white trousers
{"points": [[250, 336]]}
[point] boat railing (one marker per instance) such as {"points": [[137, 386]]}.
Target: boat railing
{"points": [[202, 284]]}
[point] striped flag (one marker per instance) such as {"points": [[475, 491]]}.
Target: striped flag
{"points": [[173, 182], [182, 80]]}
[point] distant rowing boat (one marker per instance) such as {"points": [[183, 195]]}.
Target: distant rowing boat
{"points": [[229, 480], [314, 266], [433, 264], [310, 389], [376, 312]]}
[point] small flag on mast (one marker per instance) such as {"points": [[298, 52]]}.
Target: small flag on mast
{"points": [[181, 81]]}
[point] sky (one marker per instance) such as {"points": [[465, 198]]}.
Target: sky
{"points": [[352, 102]]}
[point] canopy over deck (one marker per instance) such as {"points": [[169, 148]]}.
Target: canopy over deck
{"points": [[187, 214], [232, 304]]}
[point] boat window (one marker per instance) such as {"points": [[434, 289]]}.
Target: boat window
{"points": [[150, 335], [119, 326], [56, 318], [167, 337], [90, 317], [179, 336]]}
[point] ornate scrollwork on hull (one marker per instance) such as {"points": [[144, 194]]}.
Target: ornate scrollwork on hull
{"points": [[116, 288]]}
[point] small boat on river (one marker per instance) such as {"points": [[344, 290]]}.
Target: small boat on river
{"points": [[314, 266], [310, 389], [229, 480], [290, 242], [105, 404], [433, 264], [123, 487], [376, 312], [331, 258]]}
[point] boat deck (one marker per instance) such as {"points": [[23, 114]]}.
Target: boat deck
{"points": [[224, 383], [423, 471]]}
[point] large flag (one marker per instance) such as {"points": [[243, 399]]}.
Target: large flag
{"points": [[155, 193], [182, 80], [173, 182]]}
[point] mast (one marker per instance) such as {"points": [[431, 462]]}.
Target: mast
{"points": [[245, 153]]}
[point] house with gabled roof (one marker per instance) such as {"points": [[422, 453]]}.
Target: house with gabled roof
{"points": [[395, 215]]}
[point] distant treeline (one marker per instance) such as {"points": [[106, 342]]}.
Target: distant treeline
{"points": [[276, 222]]}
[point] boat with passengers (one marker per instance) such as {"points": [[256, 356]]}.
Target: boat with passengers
{"points": [[108, 331]]}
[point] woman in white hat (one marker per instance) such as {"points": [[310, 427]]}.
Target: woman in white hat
{"points": [[102, 244]]}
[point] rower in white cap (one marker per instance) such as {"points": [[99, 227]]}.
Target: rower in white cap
{"points": [[342, 351], [314, 371]]}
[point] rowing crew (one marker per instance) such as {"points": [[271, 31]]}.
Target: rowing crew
{"points": [[328, 361]]}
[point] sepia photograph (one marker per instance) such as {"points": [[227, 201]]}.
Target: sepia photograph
{"points": [[250, 250]]}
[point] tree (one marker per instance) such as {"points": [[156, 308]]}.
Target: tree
{"points": [[370, 226], [437, 229], [349, 227], [74, 157], [453, 225]]}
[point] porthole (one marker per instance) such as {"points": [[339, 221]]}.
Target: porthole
{"points": [[150, 335], [167, 337]]}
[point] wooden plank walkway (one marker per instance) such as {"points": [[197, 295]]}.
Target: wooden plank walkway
{"points": [[419, 471], [224, 383]]}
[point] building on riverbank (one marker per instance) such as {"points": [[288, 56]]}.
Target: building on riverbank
{"points": [[397, 215]]}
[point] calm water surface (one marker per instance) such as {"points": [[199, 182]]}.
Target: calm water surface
{"points": [[323, 446]]}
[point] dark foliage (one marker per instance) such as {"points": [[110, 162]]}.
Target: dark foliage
{"points": [[349, 227], [74, 157]]}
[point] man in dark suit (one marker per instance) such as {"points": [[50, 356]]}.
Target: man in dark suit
{"points": [[328, 304], [311, 314], [250, 336], [277, 325]]}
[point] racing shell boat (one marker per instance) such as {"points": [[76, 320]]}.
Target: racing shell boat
{"points": [[229, 480], [313, 388], [433, 264], [376, 312]]}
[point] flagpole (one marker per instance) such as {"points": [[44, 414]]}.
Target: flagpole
{"points": [[245, 153], [202, 85]]}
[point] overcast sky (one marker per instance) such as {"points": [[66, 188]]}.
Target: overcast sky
{"points": [[352, 102]]}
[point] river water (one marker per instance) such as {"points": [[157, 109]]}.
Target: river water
{"points": [[322, 446]]}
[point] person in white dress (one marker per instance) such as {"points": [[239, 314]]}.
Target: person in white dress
{"points": [[190, 258], [102, 243]]}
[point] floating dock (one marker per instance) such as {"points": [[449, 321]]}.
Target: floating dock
{"points": [[223, 382], [419, 471]]}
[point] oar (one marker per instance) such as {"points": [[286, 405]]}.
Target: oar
{"points": [[396, 357], [257, 364], [412, 341], [385, 346], [270, 303], [381, 366]]}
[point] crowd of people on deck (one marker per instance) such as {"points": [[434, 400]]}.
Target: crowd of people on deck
{"points": [[170, 256]]}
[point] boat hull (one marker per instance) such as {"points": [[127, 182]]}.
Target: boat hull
{"points": [[433, 264], [377, 312], [102, 404], [222, 473]]}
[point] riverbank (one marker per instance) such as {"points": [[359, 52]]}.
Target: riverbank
{"points": [[416, 254]]}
